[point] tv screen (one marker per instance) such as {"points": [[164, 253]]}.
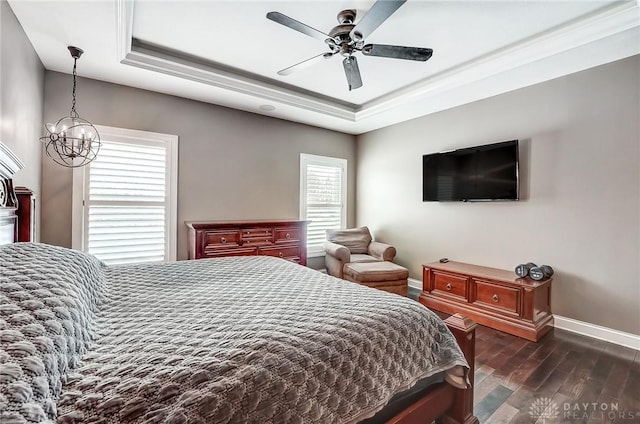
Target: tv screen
{"points": [[479, 173]]}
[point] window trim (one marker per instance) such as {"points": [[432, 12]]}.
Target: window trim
{"points": [[80, 188], [309, 159]]}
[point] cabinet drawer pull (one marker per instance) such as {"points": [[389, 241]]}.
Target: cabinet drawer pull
{"points": [[280, 254], [248, 241], [448, 286], [266, 232], [223, 240], [495, 298], [288, 236]]}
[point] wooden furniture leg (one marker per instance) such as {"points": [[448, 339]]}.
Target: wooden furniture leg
{"points": [[464, 330], [444, 403]]}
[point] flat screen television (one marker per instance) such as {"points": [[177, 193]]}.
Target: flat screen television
{"points": [[481, 173]]}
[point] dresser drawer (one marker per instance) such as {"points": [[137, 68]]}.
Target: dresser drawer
{"points": [[496, 296], [218, 253], [257, 232], [220, 239], [287, 235], [291, 253], [257, 241], [450, 285]]}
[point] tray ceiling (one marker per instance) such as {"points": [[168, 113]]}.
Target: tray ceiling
{"points": [[228, 53]]}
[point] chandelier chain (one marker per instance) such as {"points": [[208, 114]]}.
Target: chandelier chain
{"points": [[73, 102]]}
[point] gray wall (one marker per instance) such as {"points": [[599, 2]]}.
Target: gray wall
{"points": [[232, 164], [580, 173], [21, 98]]}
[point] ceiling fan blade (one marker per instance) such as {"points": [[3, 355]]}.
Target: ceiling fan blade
{"points": [[353, 73], [296, 25], [378, 13], [304, 63], [397, 52]]}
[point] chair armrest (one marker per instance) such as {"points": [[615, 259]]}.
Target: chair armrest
{"points": [[382, 251], [337, 251]]}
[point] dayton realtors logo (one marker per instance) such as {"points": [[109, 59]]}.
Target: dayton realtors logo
{"points": [[544, 408], [607, 412]]}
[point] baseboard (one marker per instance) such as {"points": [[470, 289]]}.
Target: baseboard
{"points": [[415, 284], [597, 332]]}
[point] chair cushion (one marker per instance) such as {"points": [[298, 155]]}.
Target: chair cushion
{"points": [[355, 239], [359, 257], [375, 271]]}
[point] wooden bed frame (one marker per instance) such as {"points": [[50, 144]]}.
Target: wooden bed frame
{"points": [[442, 402]]}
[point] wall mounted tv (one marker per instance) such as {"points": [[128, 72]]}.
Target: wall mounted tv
{"points": [[481, 173]]}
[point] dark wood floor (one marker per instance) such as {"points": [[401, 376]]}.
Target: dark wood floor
{"points": [[583, 380], [580, 379]]}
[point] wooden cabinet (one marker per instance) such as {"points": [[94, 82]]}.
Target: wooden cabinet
{"points": [[285, 239], [493, 297]]}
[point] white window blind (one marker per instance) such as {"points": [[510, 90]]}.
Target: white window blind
{"points": [[129, 206], [322, 197]]}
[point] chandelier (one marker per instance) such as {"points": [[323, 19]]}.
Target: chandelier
{"points": [[72, 141]]}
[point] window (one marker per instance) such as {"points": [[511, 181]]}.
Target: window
{"points": [[128, 198], [323, 197]]}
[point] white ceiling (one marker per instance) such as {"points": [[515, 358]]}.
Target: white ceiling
{"points": [[228, 53]]}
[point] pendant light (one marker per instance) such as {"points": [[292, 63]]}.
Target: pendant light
{"points": [[72, 141]]}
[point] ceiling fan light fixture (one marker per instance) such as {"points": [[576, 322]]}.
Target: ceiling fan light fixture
{"points": [[72, 141], [347, 38]]}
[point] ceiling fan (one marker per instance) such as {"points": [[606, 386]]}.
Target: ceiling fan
{"points": [[348, 38]]}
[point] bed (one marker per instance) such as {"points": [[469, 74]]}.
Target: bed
{"points": [[225, 340]]}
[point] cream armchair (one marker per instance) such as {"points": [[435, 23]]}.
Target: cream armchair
{"points": [[353, 245]]}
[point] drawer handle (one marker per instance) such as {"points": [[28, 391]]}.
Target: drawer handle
{"points": [[448, 286], [495, 298], [280, 254], [288, 236], [248, 241], [223, 240], [266, 232]]}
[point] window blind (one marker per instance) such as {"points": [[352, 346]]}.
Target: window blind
{"points": [[126, 206], [324, 201], [324, 197]]}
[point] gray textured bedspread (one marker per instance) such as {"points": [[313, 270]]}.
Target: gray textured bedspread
{"points": [[230, 340]]}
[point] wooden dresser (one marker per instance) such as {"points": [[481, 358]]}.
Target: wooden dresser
{"points": [[281, 238], [493, 297]]}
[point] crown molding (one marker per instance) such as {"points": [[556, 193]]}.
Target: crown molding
{"points": [[124, 24], [598, 25], [164, 61], [601, 24]]}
